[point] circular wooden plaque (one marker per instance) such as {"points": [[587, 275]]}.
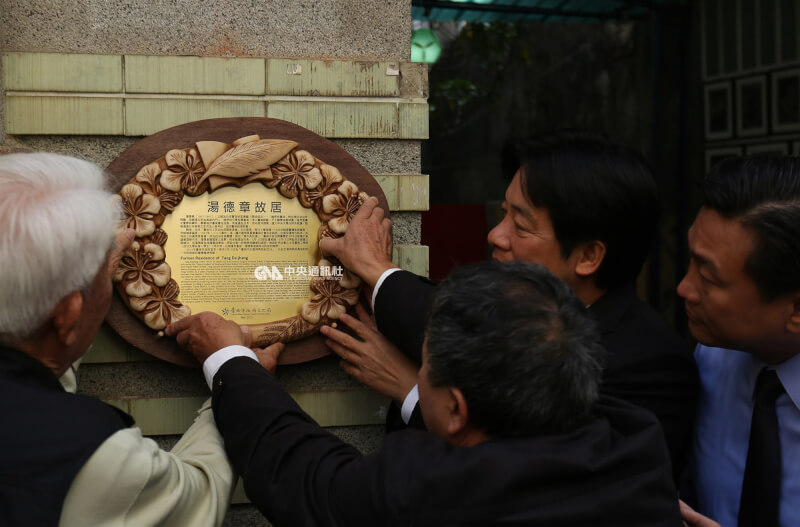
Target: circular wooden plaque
{"points": [[123, 169]]}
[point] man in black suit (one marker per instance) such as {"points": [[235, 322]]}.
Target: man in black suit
{"points": [[585, 208], [509, 387]]}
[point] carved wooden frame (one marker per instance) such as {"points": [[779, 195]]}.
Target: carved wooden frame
{"points": [[143, 278]]}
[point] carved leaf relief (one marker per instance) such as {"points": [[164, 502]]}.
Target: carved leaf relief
{"points": [[249, 158]]}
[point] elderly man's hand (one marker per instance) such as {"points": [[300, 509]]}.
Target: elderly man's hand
{"points": [[366, 247], [374, 360], [205, 333]]}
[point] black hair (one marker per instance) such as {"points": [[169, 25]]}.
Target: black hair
{"points": [[593, 189], [763, 194], [519, 345]]}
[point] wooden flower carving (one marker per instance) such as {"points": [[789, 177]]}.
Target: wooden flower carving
{"points": [[161, 306], [150, 181], [342, 206], [295, 173], [312, 197], [141, 268], [330, 301], [185, 168], [139, 209]]}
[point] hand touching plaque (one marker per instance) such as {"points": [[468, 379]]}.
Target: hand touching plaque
{"points": [[252, 213]]}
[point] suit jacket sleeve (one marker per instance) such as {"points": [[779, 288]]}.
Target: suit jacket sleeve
{"points": [[300, 475], [294, 471], [401, 311], [129, 480]]}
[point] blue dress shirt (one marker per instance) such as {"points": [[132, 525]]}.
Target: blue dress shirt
{"points": [[725, 408]]}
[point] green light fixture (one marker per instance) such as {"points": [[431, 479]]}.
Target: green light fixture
{"points": [[425, 46]]}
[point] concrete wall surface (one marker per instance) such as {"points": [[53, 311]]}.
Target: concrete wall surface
{"points": [[342, 29]]}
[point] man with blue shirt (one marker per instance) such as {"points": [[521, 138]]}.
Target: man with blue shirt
{"points": [[742, 293]]}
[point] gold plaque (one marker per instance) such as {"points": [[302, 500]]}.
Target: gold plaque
{"points": [[234, 228], [247, 254]]}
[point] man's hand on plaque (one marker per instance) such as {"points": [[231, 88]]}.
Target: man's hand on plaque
{"points": [[366, 247], [267, 357], [205, 333], [373, 360]]}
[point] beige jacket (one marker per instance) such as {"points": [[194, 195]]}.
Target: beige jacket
{"points": [[130, 481]]}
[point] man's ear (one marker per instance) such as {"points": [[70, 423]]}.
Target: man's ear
{"points": [[65, 317], [793, 322], [458, 416], [588, 256]]}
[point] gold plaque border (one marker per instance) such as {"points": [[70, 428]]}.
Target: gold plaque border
{"points": [[289, 164]]}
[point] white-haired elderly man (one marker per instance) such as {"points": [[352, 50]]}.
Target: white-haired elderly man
{"points": [[67, 459]]}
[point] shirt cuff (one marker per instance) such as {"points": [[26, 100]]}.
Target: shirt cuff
{"points": [[215, 361], [409, 403], [379, 283]]}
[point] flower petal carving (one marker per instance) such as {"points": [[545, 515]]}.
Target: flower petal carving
{"points": [[159, 237], [148, 176], [294, 173], [161, 307], [330, 301], [139, 209], [184, 170], [342, 206], [141, 268], [310, 197]]}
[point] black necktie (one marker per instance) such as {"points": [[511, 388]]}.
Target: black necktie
{"points": [[761, 490]]}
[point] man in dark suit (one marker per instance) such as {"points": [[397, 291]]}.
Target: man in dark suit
{"points": [[509, 388], [586, 209]]}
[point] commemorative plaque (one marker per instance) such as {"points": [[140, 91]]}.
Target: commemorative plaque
{"points": [[228, 214]]}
